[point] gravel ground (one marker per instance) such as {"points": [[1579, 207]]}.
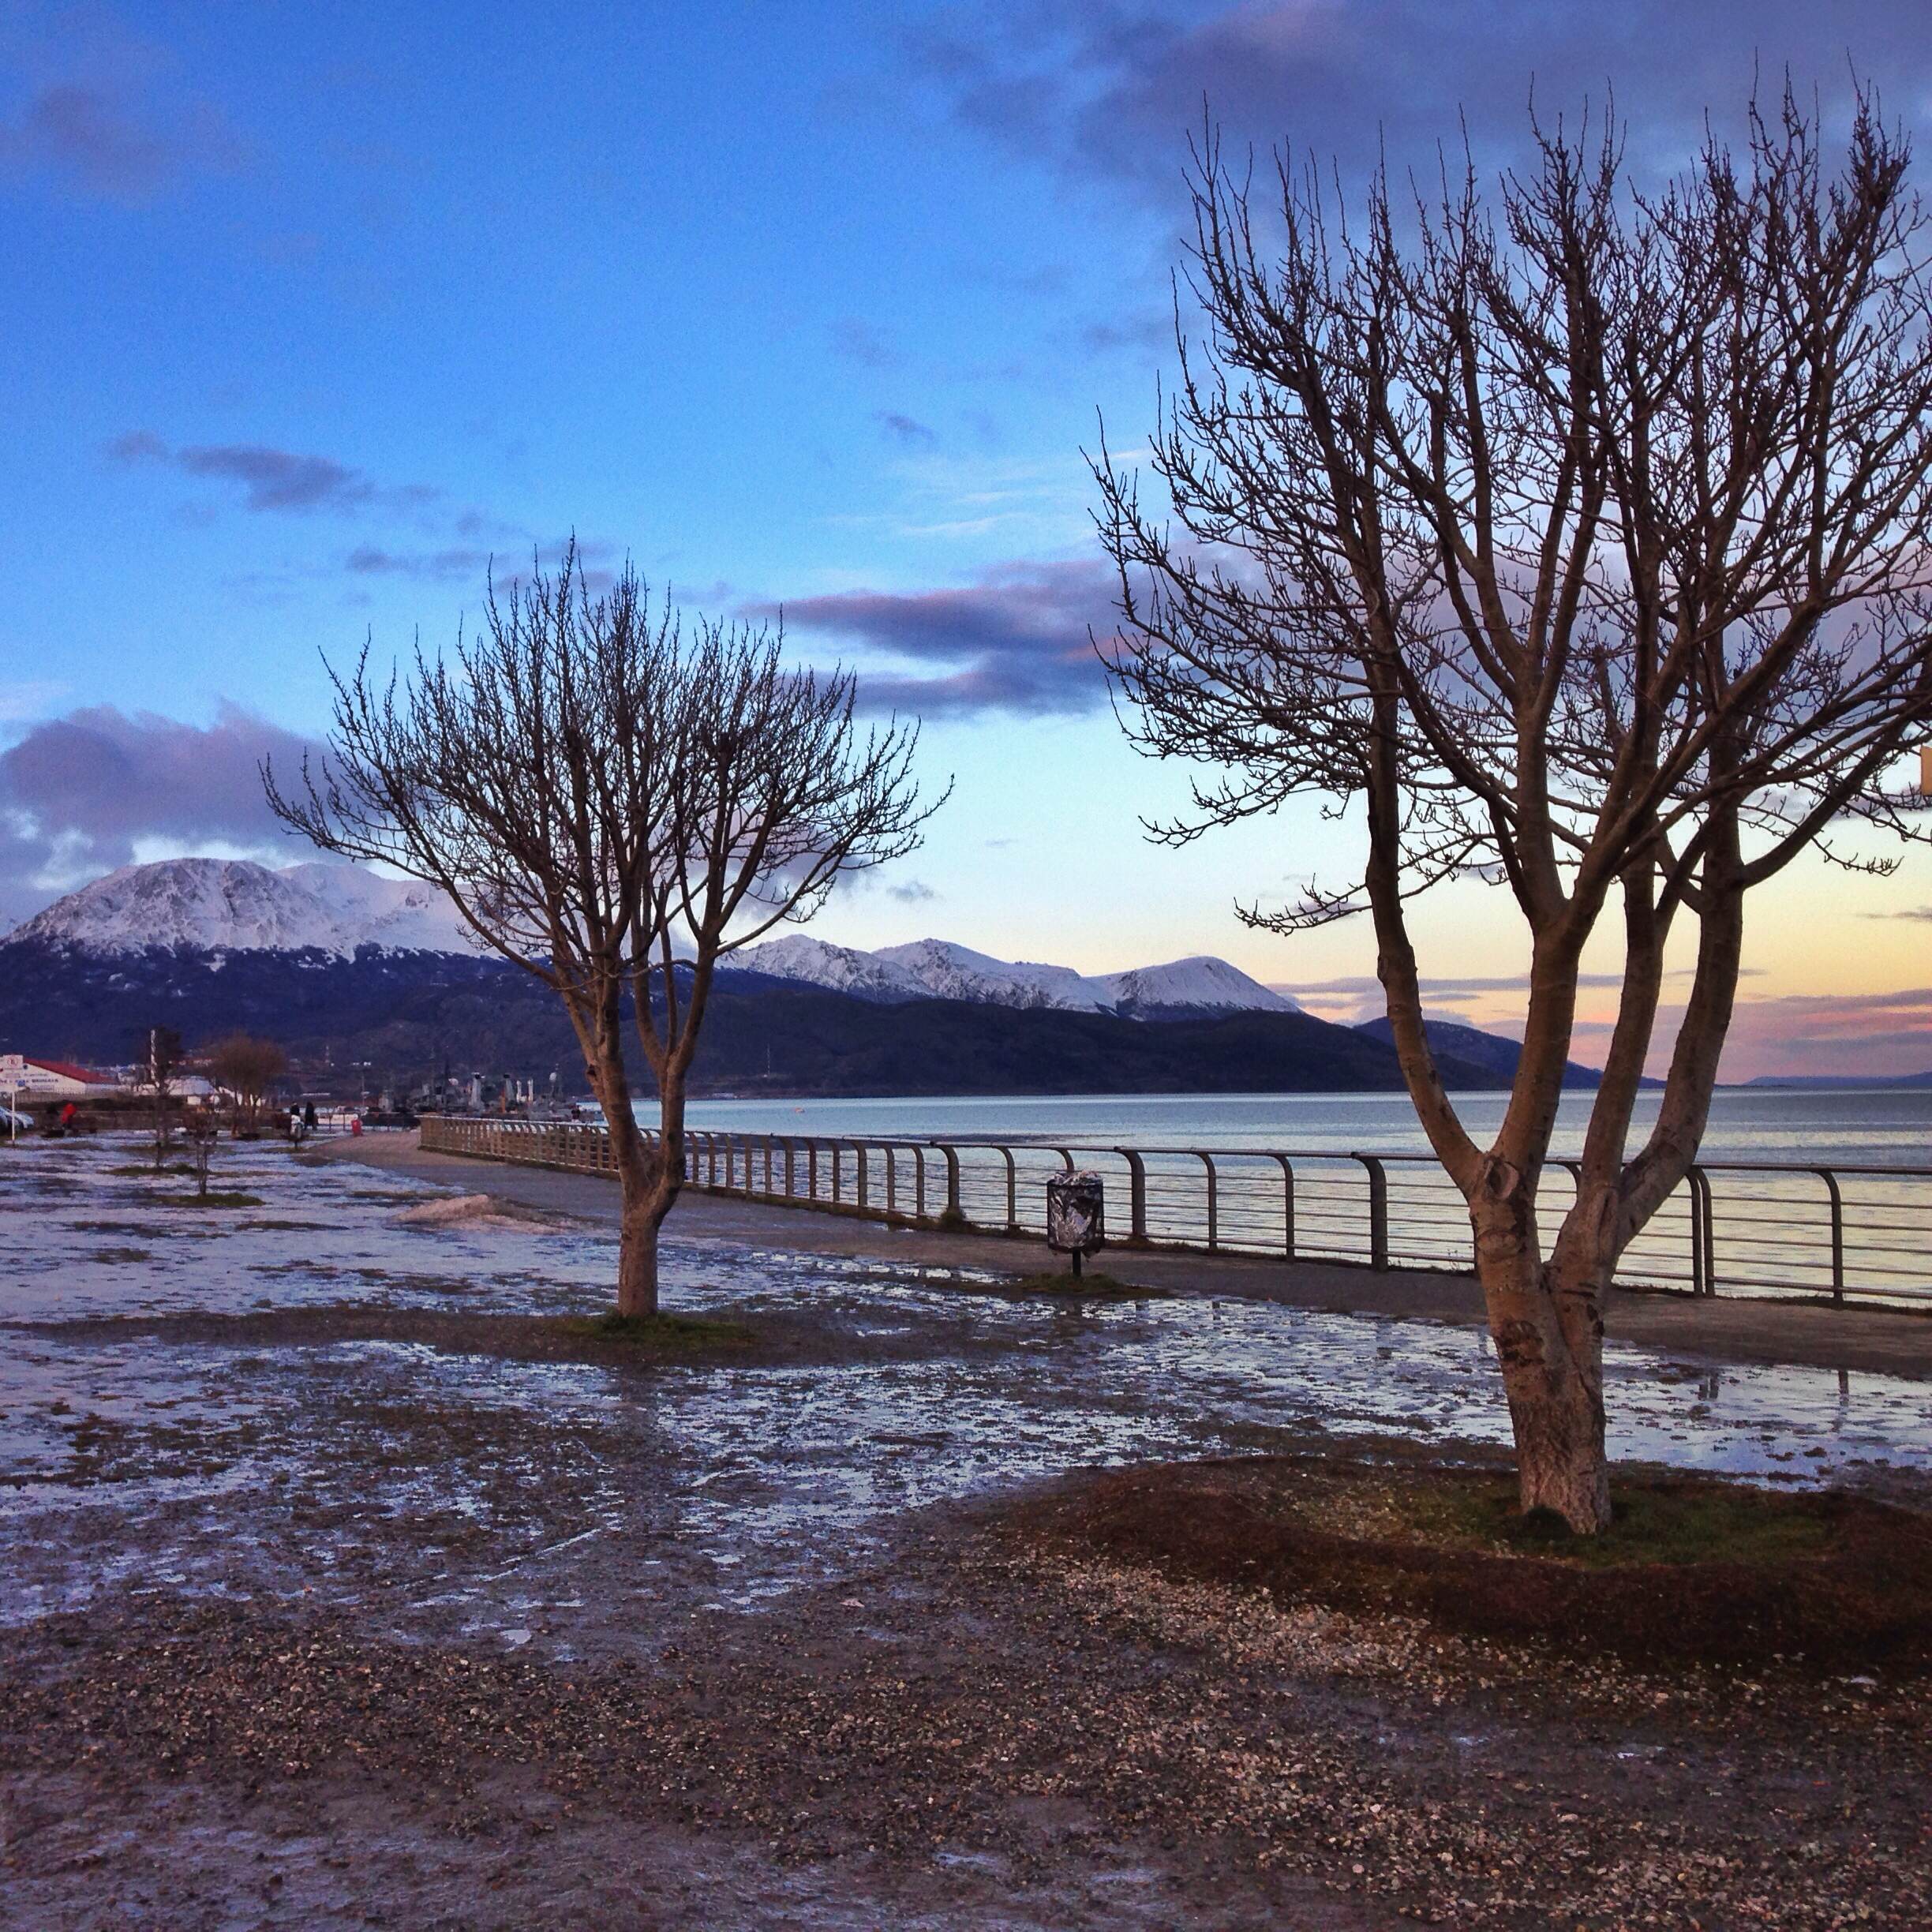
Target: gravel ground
{"points": [[981, 1730]]}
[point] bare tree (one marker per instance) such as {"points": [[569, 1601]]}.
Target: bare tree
{"points": [[158, 1078], [1577, 537], [248, 1068], [615, 799]]}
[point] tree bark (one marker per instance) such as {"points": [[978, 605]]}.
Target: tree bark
{"points": [[637, 1259], [640, 1177], [1546, 1318]]}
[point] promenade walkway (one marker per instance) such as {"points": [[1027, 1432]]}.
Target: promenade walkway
{"points": [[1731, 1328]]}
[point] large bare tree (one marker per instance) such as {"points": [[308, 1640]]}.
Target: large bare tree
{"points": [[1574, 536], [616, 798]]}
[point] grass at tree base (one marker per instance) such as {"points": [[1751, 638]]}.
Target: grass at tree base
{"points": [[1693, 1569]]}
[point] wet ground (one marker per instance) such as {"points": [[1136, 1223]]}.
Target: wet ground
{"points": [[331, 1601]]}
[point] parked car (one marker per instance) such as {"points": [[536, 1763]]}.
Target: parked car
{"points": [[13, 1123]]}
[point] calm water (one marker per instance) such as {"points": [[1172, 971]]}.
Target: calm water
{"points": [[1878, 1126]]}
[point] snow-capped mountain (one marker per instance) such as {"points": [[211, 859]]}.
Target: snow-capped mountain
{"points": [[940, 969], [949, 972], [234, 904], [842, 969], [1201, 981]]}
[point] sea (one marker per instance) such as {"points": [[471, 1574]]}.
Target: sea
{"points": [[1847, 1127]]}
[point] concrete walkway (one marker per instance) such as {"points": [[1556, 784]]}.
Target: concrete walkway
{"points": [[1871, 1341]]}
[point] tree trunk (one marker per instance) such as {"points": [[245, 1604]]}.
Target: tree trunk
{"points": [[637, 1260], [1546, 1319]]}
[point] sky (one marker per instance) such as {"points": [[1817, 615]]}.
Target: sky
{"points": [[809, 305]]}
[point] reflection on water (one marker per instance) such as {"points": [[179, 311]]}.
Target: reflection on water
{"points": [[440, 1492]]}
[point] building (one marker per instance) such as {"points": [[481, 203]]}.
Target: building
{"points": [[34, 1079]]}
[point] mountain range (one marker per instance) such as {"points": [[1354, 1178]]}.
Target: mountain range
{"points": [[343, 965], [229, 906]]}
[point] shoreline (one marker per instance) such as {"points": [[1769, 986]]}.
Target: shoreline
{"points": [[1724, 1330]]}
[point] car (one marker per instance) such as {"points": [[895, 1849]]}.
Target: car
{"points": [[13, 1122]]}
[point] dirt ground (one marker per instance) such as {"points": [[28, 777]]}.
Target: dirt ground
{"points": [[390, 1609]]}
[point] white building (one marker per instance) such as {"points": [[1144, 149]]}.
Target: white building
{"points": [[34, 1079]]}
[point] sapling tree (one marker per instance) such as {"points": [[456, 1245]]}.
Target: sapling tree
{"points": [[616, 798], [160, 1075], [1570, 536]]}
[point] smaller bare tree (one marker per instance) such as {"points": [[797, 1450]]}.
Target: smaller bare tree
{"points": [[202, 1127], [614, 800], [247, 1068]]}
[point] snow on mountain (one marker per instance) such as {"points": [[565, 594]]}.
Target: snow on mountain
{"points": [[843, 969], [403, 914], [940, 969], [950, 972], [235, 905], [1201, 981]]}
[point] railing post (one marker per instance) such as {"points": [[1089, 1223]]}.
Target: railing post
{"points": [[1214, 1199], [1838, 1233], [918, 1182], [892, 1181], [791, 1148], [811, 1169], [1013, 1193], [1378, 1211], [1700, 1235], [953, 1211], [865, 1177], [1288, 1233], [1136, 1197]]}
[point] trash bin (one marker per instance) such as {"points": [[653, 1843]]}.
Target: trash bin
{"points": [[1075, 1215]]}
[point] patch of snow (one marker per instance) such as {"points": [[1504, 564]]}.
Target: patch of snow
{"points": [[467, 1211]]}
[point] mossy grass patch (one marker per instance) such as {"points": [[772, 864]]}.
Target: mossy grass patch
{"points": [[658, 1335], [1063, 1285], [215, 1197], [1693, 1569]]}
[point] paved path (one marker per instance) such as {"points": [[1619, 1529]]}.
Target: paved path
{"points": [[1726, 1329]]}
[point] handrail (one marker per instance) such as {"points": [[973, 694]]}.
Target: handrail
{"points": [[1861, 1230]]}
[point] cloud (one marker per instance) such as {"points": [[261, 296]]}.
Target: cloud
{"points": [[1111, 88], [859, 342], [272, 479], [436, 565], [98, 146], [911, 892], [83, 793], [905, 430], [1153, 330], [1016, 641]]}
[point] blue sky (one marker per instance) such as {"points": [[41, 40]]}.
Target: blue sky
{"points": [[311, 310]]}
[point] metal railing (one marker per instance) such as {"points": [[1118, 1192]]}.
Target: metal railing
{"points": [[1748, 1227]]}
